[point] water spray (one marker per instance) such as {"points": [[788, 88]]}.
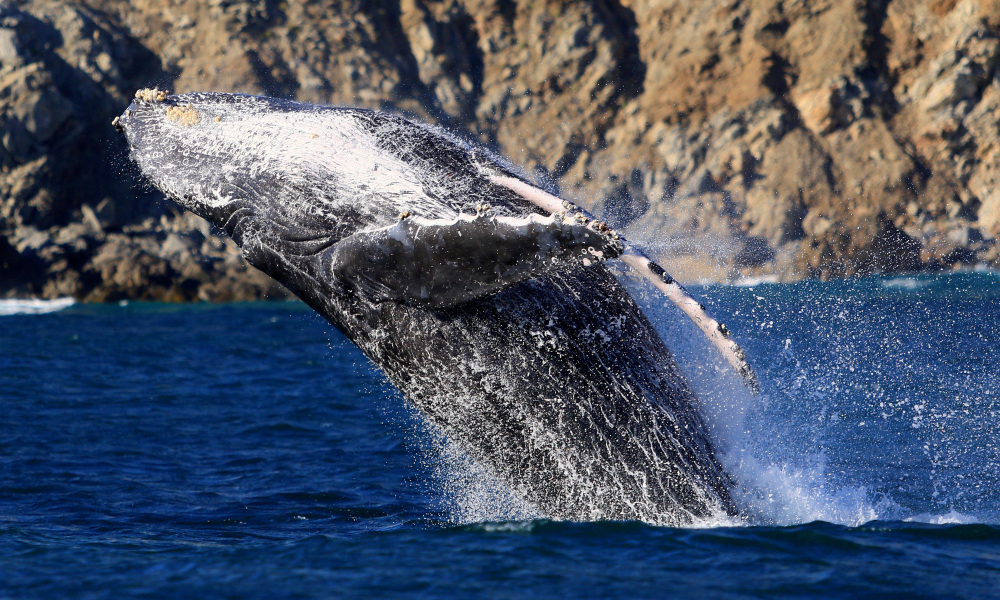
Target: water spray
{"points": [[717, 332]]}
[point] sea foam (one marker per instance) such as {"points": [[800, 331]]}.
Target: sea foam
{"points": [[32, 306]]}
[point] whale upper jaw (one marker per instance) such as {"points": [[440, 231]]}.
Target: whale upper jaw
{"points": [[202, 152], [157, 128], [189, 147], [206, 150]]}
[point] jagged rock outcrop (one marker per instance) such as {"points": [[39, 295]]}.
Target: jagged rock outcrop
{"points": [[733, 137], [74, 222], [817, 139]]}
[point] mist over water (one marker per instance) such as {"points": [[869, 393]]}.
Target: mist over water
{"points": [[878, 402]]}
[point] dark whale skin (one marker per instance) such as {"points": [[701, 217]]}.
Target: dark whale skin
{"points": [[557, 384]]}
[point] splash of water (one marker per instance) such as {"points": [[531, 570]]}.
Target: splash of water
{"points": [[816, 443], [470, 493], [879, 402], [770, 487]]}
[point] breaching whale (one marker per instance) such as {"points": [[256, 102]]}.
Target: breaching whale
{"points": [[483, 298]]}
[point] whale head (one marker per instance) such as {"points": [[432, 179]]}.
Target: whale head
{"points": [[340, 200], [244, 163], [282, 178]]}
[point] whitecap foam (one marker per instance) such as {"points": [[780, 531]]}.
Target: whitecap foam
{"points": [[787, 494], [33, 306], [905, 283], [984, 268], [952, 517], [507, 526]]}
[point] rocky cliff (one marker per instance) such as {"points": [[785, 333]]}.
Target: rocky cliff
{"points": [[734, 138]]}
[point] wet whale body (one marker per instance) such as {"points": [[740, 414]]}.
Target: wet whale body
{"points": [[493, 317]]}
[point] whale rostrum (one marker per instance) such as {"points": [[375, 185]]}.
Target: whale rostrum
{"points": [[482, 297]]}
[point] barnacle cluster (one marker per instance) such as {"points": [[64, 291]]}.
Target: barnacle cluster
{"points": [[151, 95], [183, 115]]}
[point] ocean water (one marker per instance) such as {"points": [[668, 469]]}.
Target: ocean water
{"points": [[248, 450]]}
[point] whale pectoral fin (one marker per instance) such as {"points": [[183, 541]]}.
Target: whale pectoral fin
{"points": [[441, 263], [635, 258]]}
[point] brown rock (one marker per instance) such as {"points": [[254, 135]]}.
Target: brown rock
{"points": [[805, 139]]}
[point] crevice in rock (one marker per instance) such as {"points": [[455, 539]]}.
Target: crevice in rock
{"points": [[274, 78], [754, 253], [572, 152], [875, 74], [465, 28], [890, 250], [626, 202], [777, 76], [633, 73], [401, 54]]}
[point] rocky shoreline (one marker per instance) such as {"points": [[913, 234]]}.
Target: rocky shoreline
{"points": [[734, 139]]}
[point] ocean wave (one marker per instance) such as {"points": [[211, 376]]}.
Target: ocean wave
{"points": [[32, 306], [906, 283]]}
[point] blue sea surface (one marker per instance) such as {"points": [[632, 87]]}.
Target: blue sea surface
{"points": [[249, 450]]}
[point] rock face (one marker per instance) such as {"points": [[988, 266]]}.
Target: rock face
{"points": [[733, 138], [73, 221]]}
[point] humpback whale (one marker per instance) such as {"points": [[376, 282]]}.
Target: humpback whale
{"points": [[484, 299]]}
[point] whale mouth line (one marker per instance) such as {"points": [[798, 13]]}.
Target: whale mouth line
{"points": [[239, 226], [236, 219]]}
